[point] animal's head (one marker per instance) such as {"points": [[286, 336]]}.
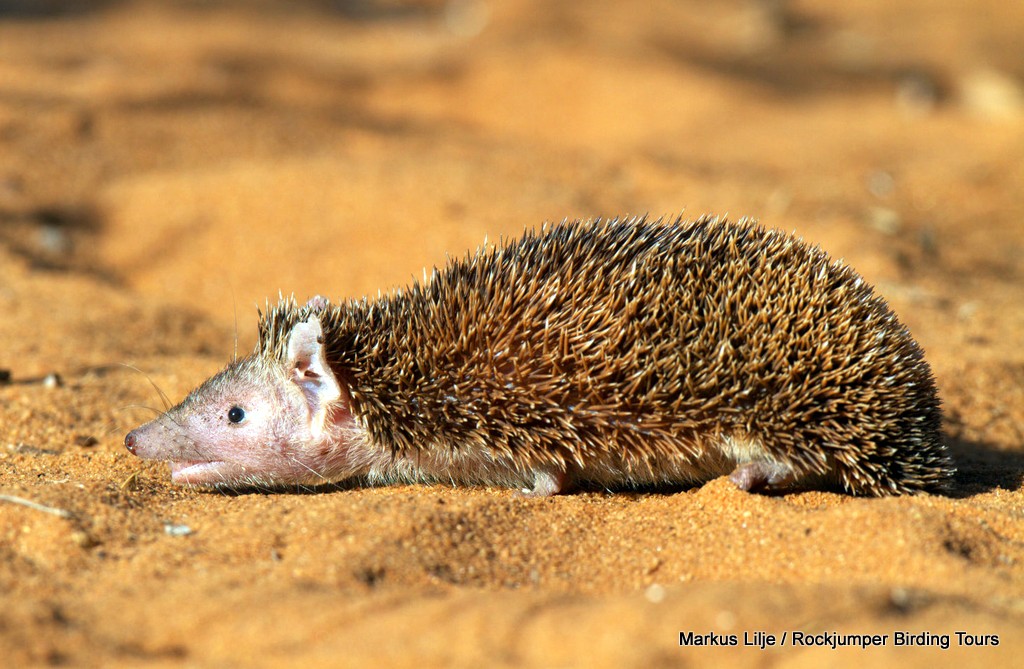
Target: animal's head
{"points": [[258, 422]]}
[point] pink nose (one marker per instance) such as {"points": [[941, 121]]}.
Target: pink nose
{"points": [[130, 442]]}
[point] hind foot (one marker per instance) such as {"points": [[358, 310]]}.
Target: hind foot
{"points": [[762, 476], [546, 482]]}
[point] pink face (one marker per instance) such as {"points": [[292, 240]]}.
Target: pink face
{"points": [[241, 427], [257, 423]]}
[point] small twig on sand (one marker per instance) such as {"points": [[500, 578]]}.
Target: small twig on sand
{"points": [[129, 483], [63, 513]]}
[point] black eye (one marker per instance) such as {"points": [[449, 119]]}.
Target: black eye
{"points": [[236, 414]]}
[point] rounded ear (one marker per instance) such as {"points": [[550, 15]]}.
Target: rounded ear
{"points": [[310, 371]]}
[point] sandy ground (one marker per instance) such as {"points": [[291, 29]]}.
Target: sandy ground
{"points": [[167, 167]]}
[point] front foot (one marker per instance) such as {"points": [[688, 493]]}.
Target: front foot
{"points": [[762, 476]]}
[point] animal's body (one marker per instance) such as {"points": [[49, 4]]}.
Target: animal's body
{"points": [[616, 354]]}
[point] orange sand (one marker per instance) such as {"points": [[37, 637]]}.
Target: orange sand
{"points": [[167, 166]]}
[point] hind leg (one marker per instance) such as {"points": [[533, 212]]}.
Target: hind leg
{"points": [[547, 481], [762, 476]]}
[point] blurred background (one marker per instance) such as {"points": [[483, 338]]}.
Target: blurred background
{"points": [[213, 153]]}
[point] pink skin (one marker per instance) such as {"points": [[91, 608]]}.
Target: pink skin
{"points": [[762, 476], [254, 423]]}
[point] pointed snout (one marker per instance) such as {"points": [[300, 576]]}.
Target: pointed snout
{"points": [[153, 441], [131, 441]]}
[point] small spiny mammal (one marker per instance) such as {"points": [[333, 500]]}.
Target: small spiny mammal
{"points": [[613, 353]]}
